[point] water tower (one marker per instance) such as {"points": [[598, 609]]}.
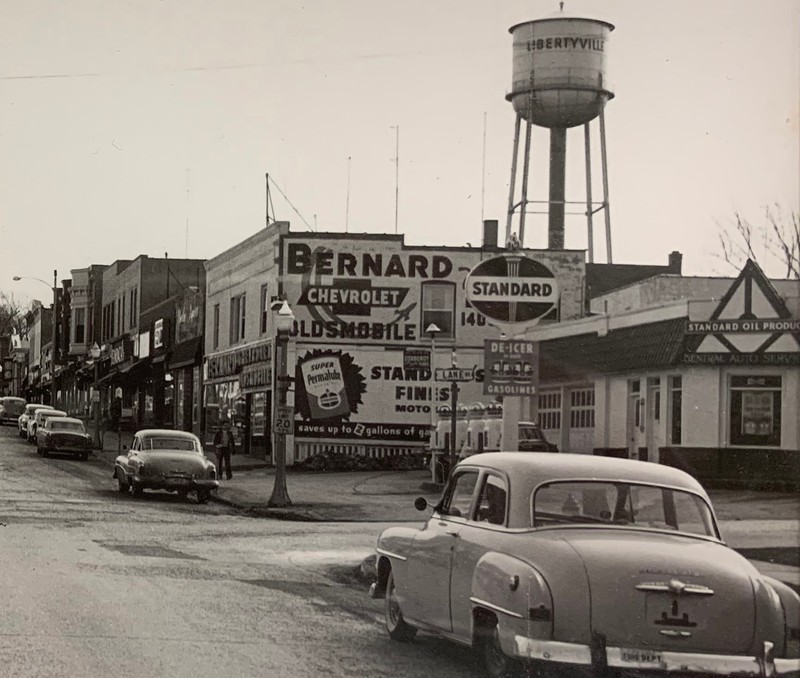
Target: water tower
{"points": [[559, 82]]}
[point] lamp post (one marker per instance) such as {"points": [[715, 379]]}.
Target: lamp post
{"points": [[433, 329], [94, 354], [281, 419], [54, 290]]}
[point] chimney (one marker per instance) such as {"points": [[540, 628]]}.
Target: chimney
{"points": [[490, 234], [675, 261]]}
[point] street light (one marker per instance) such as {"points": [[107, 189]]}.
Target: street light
{"points": [[433, 329], [54, 289], [94, 354], [284, 321]]}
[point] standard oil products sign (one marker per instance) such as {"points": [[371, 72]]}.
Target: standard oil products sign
{"points": [[512, 290], [511, 367]]}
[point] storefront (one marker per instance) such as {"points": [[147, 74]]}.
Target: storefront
{"points": [[238, 391], [708, 386]]}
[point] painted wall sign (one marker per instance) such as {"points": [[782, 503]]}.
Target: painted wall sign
{"points": [[416, 359], [512, 289], [328, 385], [511, 367], [376, 290], [740, 359]]}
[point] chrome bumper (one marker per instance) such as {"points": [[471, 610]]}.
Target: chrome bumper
{"points": [[151, 483], [765, 665]]}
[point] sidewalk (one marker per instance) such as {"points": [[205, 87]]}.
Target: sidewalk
{"points": [[763, 526]]}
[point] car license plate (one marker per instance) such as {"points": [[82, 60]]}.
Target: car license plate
{"points": [[640, 658]]}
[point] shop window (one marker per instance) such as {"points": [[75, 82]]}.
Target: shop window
{"points": [[215, 331], [237, 319], [675, 410], [755, 411], [581, 410], [264, 307], [79, 323], [550, 410], [438, 307]]}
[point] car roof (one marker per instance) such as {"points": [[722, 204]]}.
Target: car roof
{"points": [[165, 433], [14, 398], [69, 419], [39, 406], [52, 413], [543, 467]]}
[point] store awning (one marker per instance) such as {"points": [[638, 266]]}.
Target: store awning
{"points": [[186, 353]]}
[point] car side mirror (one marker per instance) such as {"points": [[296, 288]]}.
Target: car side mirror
{"points": [[124, 448], [420, 503]]}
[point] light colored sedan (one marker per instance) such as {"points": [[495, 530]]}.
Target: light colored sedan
{"points": [[38, 419], [162, 459], [63, 435], [554, 563], [27, 414]]}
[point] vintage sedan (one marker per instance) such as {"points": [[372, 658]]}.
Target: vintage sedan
{"points": [[39, 417], [63, 435], [580, 565], [161, 459], [27, 415], [11, 409]]}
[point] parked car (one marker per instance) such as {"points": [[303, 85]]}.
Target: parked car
{"points": [[11, 408], [39, 418], [26, 415], [607, 566], [161, 459], [532, 438], [63, 435]]}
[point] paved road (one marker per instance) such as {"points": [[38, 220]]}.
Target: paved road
{"points": [[96, 584]]}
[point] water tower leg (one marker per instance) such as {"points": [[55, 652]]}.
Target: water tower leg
{"points": [[513, 178], [558, 171], [589, 213], [526, 162], [607, 210]]}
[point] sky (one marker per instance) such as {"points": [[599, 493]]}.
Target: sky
{"points": [[148, 127]]}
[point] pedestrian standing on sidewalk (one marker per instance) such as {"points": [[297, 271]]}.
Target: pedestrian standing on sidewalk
{"points": [[224, 445]]}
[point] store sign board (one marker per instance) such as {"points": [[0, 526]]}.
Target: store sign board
{"points": [[231, 363], [511, 367], [512, 289], [158, 333], [416, 359], [737, 325]]}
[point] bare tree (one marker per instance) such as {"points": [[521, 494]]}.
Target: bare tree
{"points": [[773, 244], [12, 315]]}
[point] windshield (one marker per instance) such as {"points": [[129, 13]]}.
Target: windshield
{"points": [[165, 443], [55, 425], [613, 503], [530, 433]]}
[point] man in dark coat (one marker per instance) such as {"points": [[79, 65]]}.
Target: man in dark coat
{"points": [[224, 445]]}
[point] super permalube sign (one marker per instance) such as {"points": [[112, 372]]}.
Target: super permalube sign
{"points": [[512, 289]]}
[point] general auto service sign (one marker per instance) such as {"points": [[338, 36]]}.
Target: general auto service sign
{"points": [[512, 289]]}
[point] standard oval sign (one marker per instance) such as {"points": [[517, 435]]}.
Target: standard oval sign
{"points": [[512, 289]]}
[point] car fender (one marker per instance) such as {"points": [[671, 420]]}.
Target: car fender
{"points": [[790, 604], [511, 593], [392, 553]]}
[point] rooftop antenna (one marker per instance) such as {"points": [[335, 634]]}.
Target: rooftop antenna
{"points": [[268, 201], [483, 167], [347, 201], [396, 159], [188, 178]]}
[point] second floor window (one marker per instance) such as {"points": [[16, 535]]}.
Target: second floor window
{"points": [[237, 318], [80, 325], [215, 329], [438, 307], [264, 308]]}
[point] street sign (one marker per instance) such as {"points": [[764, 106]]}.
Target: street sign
{"points": [[511, 367], [284, 420], [454, 373], [512, 289]]}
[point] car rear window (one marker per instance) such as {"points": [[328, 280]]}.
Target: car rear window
{"points": [[617, 503], [165, 443], [74, 426]]}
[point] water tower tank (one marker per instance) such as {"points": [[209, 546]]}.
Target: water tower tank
{"points": [[559, 70]]}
